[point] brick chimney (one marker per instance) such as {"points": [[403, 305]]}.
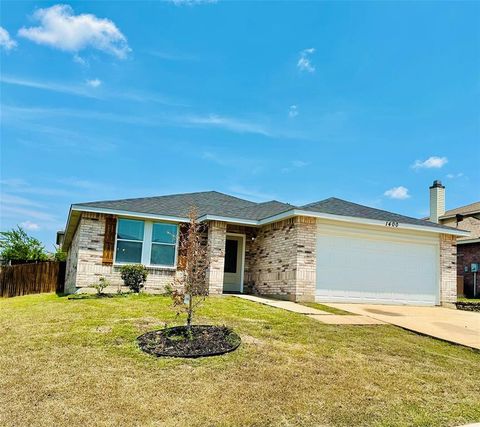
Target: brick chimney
{"points": [[437, 201]]}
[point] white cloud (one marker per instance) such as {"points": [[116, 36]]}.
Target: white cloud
{"points": [[61, 29], [80, 90], [172, 56], [5, 40], [16, 211], [79, 60], [293, 111], [228, 123], [10, 199], [212, 157], [54, 87], [399, 193], [295, 164], [250, 193], [191, 2], [455, 175], [29, 225], [431, 162], [299, 163], [94, 82], [304, 62]]}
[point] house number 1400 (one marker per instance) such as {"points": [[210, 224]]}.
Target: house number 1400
{"points": [[391, 223]]}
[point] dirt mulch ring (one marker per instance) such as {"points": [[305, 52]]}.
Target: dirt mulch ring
{"points": [[205, 340], [468, 306]]}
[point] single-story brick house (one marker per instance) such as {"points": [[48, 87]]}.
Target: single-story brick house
{"points": [[468, 247], [331, 250]]}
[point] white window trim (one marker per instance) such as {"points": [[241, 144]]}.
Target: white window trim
{"points": [[147, 245]]}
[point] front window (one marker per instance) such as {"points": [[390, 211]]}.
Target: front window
{"points": [[129, 241], [146, 242], [164, 240]]}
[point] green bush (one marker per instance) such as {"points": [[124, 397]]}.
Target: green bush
{"points": [[101, 285], [134, 276]]}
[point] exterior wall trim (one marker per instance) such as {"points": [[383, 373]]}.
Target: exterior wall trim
{"points": [[355, 220], [129, 214], [467, 241], [275, 218]]}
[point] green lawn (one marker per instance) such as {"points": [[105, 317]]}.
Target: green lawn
{"points": [[326, 308], [75, 363]]}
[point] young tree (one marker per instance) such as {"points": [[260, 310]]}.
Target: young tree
{"points": [[16, 244], [190, 288]]}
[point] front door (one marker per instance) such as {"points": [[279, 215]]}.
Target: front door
{"points": [[233, 270]]}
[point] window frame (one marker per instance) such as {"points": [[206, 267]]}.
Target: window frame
{"points": [[142, 242], [147, 244], [175, 245]]}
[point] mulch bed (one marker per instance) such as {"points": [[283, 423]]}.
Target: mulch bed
{"points": [[468, 306], [205, 340]]}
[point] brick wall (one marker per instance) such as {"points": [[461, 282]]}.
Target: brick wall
{"points": [[84, 261], [448, 268], [306, 244], [282, 260], [217, 231]]}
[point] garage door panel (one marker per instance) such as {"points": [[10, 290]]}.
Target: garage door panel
{"points": [[355, 268]]}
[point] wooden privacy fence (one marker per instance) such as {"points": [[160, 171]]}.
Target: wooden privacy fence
{"points": [[24, 279]]}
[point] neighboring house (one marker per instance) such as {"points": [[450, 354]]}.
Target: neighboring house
{"points": [[331, 250], [468, 247]]}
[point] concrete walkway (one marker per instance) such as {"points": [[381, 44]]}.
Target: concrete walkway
{"points": [[345, 319], [456, 326], [313, 313], [286, 305]]}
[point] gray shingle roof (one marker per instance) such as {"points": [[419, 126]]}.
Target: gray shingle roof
{"points": [[341, 207], [208, 202], [471, 209], [215, 203]]}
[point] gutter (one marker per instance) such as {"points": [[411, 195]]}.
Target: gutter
{"points": [[256, 223]]}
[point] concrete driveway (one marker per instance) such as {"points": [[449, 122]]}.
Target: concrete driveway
{"points": [[457, 326]]}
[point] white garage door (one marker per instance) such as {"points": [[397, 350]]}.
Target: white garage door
{"points": [[370, 265]]}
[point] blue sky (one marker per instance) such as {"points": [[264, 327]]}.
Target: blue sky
{"points": [[294, 101]]}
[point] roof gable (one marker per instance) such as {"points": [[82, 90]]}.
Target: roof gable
{"points": [[334, 206], [178, 205], [471, 209]]}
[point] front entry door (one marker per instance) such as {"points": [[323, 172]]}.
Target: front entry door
{"points": [[233, 270]]}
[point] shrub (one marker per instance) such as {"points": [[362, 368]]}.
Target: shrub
{"points": [[101, 285], [134, 276]]}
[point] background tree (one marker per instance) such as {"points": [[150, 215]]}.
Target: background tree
{"points": [[190, 288], [17, 245], [59, 255]]}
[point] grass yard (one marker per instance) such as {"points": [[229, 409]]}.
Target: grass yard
{"points": [[75, 363], [326, 308]]}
